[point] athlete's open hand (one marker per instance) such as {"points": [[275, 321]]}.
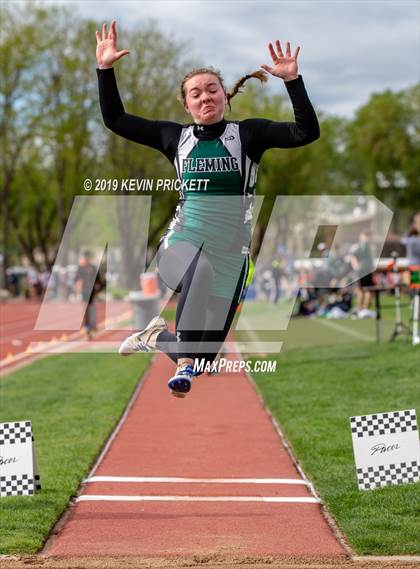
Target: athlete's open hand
{"points": [[285, 66], [106, 48]]}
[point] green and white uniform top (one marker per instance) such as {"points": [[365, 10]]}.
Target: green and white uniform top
{"points": [[218, 183], [216, 166]]}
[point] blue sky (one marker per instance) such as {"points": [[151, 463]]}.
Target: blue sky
{"points": [[349, 49]]}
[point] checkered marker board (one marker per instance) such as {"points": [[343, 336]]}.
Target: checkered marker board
{"points": [[19, 474], [386, 448]]}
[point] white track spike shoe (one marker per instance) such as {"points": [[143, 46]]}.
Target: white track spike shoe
{"points": [[145, 340], [180, 383]]}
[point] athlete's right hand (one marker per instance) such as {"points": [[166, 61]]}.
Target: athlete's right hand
{"points": [[106, 48]]}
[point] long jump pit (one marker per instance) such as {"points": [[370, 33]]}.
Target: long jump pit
{"points": [[204, 481]]}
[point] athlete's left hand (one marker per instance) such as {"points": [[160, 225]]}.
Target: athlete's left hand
{"points": [[285, 66]]}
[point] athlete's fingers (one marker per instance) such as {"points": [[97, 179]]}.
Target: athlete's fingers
{"points": [[98, 37], [278, 46], [288, 49], [113, 33], [103, 32], [272, 52], [267, 68], [121, 53], [296, 52]]}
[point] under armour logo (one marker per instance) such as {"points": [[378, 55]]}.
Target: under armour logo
{"points": [[178, 336], [230, 138], [200, 127]]}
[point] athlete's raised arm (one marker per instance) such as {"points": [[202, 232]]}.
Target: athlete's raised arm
{"points": [[153, 133], [262, 133], [106, 47], [284, 66]]}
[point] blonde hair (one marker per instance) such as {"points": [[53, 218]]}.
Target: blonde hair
{"points": [[261, 75]]}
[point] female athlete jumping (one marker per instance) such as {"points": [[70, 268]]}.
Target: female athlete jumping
{"points": [[204, 254]]}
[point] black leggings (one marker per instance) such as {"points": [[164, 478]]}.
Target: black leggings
{"points": [[202, 320]]}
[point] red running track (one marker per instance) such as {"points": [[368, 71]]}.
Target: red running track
{"points": [[220, 431], [18, 323]]}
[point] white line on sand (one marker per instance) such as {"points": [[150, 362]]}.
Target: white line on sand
{"points": [[169, 479], [98, 498]]}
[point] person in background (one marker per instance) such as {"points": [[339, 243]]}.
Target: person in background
{"points": [[276, 272], [412, 241], [361, 259], [34, 284], [83, 283]]}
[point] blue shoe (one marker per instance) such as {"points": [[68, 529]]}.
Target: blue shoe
{"points": [[181, 383]]}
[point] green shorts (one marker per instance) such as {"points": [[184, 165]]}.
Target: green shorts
{"points": [[230, 269]]}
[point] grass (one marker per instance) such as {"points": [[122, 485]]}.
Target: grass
{"points": [[312, 395], [272, 323], [168, 314], [74, 402]]}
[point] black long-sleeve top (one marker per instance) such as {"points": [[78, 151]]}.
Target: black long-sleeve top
{"points": [[224, 156], [257, 135]]}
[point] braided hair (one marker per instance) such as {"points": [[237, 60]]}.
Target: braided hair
{"points": [[259, 74]]}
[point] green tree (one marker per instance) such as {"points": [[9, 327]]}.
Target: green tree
{"points": [[62, 144], [22, 106], [383, 148], [53, 134]]}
